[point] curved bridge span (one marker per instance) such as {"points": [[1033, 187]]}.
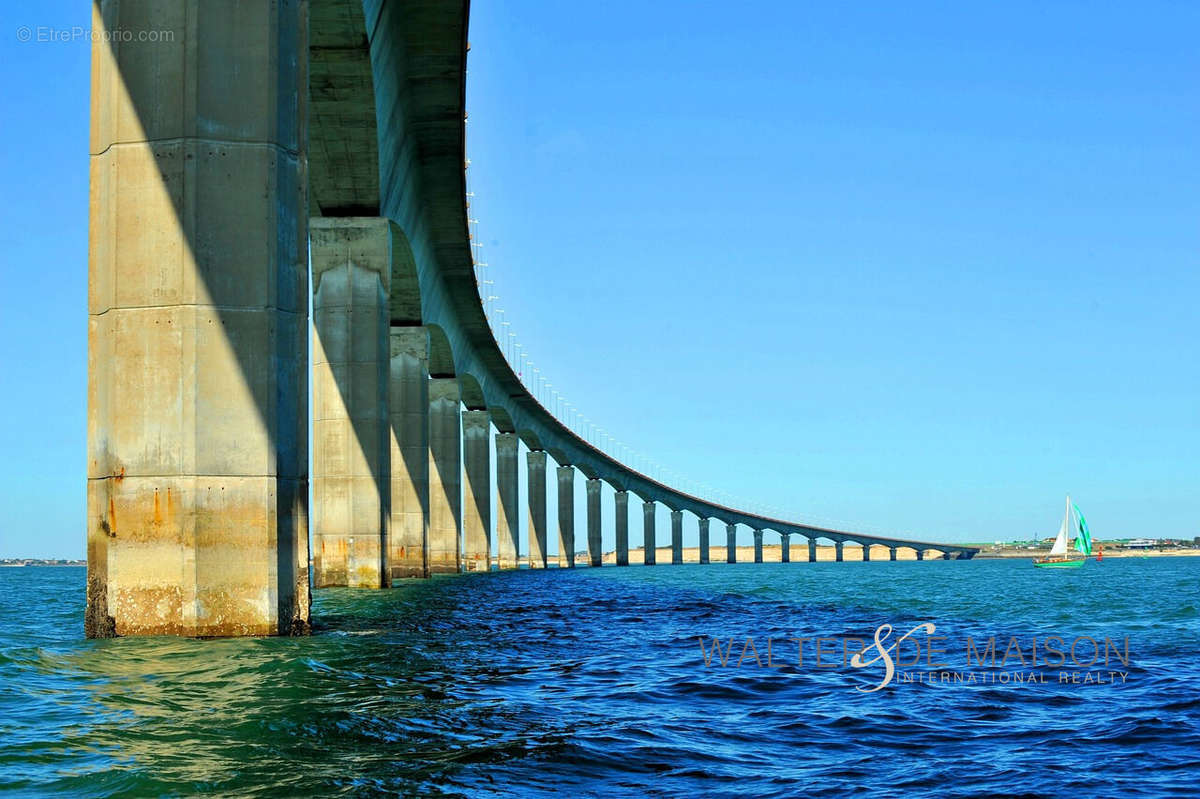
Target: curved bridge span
{"points": [[216, 157]]}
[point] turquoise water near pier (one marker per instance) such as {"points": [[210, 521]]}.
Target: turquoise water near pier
{"points": [[593, 682]]}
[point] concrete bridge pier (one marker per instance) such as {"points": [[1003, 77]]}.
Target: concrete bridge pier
{"points": [[621, 512], [508, 519], [946, 556], [676, 537], [703, 522], [566, 517], [731, 543], [197, 410], [445, 476], [536, 476], [408, 409], [920, 554], [595, 555], [812, 550], [351, 278], [837, 548], [648, 537], [758, 546], [891, 553], [866, 551], [477, 491], [785, 548]]}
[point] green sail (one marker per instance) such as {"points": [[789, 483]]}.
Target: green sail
{"points": [[1084, 542]]}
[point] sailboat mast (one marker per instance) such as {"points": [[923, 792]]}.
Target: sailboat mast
{"points": [[1058, 557]]}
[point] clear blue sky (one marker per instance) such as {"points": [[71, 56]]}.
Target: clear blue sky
{"points": [[923, 269]]}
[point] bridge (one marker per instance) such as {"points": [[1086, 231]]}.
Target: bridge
{"points": [[225, 157]]}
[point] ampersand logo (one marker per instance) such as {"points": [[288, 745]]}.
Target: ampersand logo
{"points": [[882, 633]]}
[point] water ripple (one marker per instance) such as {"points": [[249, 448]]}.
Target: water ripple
{"points": [[593, 683]]}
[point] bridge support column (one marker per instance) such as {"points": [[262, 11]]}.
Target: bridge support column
{"points": [[704, 539], [676, 537], [595, 553], [945, 556], [649, 542], [351, 278], [731, 543], [785, 548], [445, 476], [566, 517], [812, 550], [837, 547], [408, 409], [621, 521], [508, 518], [920, 554], [758, 546], [536, 475], [866, 551], [477, 490], [891, 553], [197, 473]]}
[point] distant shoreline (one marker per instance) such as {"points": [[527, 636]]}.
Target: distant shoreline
{"points": [[1002, 554], [16, 563]]}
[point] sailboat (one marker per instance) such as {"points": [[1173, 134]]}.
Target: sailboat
{"points": [[1059, 557]]}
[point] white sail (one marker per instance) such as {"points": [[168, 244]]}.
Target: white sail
{"points": [[1060, 543]]}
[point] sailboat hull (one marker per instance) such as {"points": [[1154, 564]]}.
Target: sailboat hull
{"points": [[1060, 564]]}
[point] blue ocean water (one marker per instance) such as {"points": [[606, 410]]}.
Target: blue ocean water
{"points": [[592, 682]]}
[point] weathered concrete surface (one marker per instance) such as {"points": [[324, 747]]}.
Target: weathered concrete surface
{"points": [[344, 153], [758, 552], [621, 522], [197, 317], [649, 547], [566, 517], [595, 553], [785, 548], [508, 520], [731, 543], [351, 276], [445, 477], [477, 491], [704, 520], [408, 409], [676, 537], [535, 473]]}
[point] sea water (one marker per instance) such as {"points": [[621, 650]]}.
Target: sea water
{"points": [[595, 682]]}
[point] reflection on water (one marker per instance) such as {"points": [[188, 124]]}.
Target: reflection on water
{"points": [[592, 681]]}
